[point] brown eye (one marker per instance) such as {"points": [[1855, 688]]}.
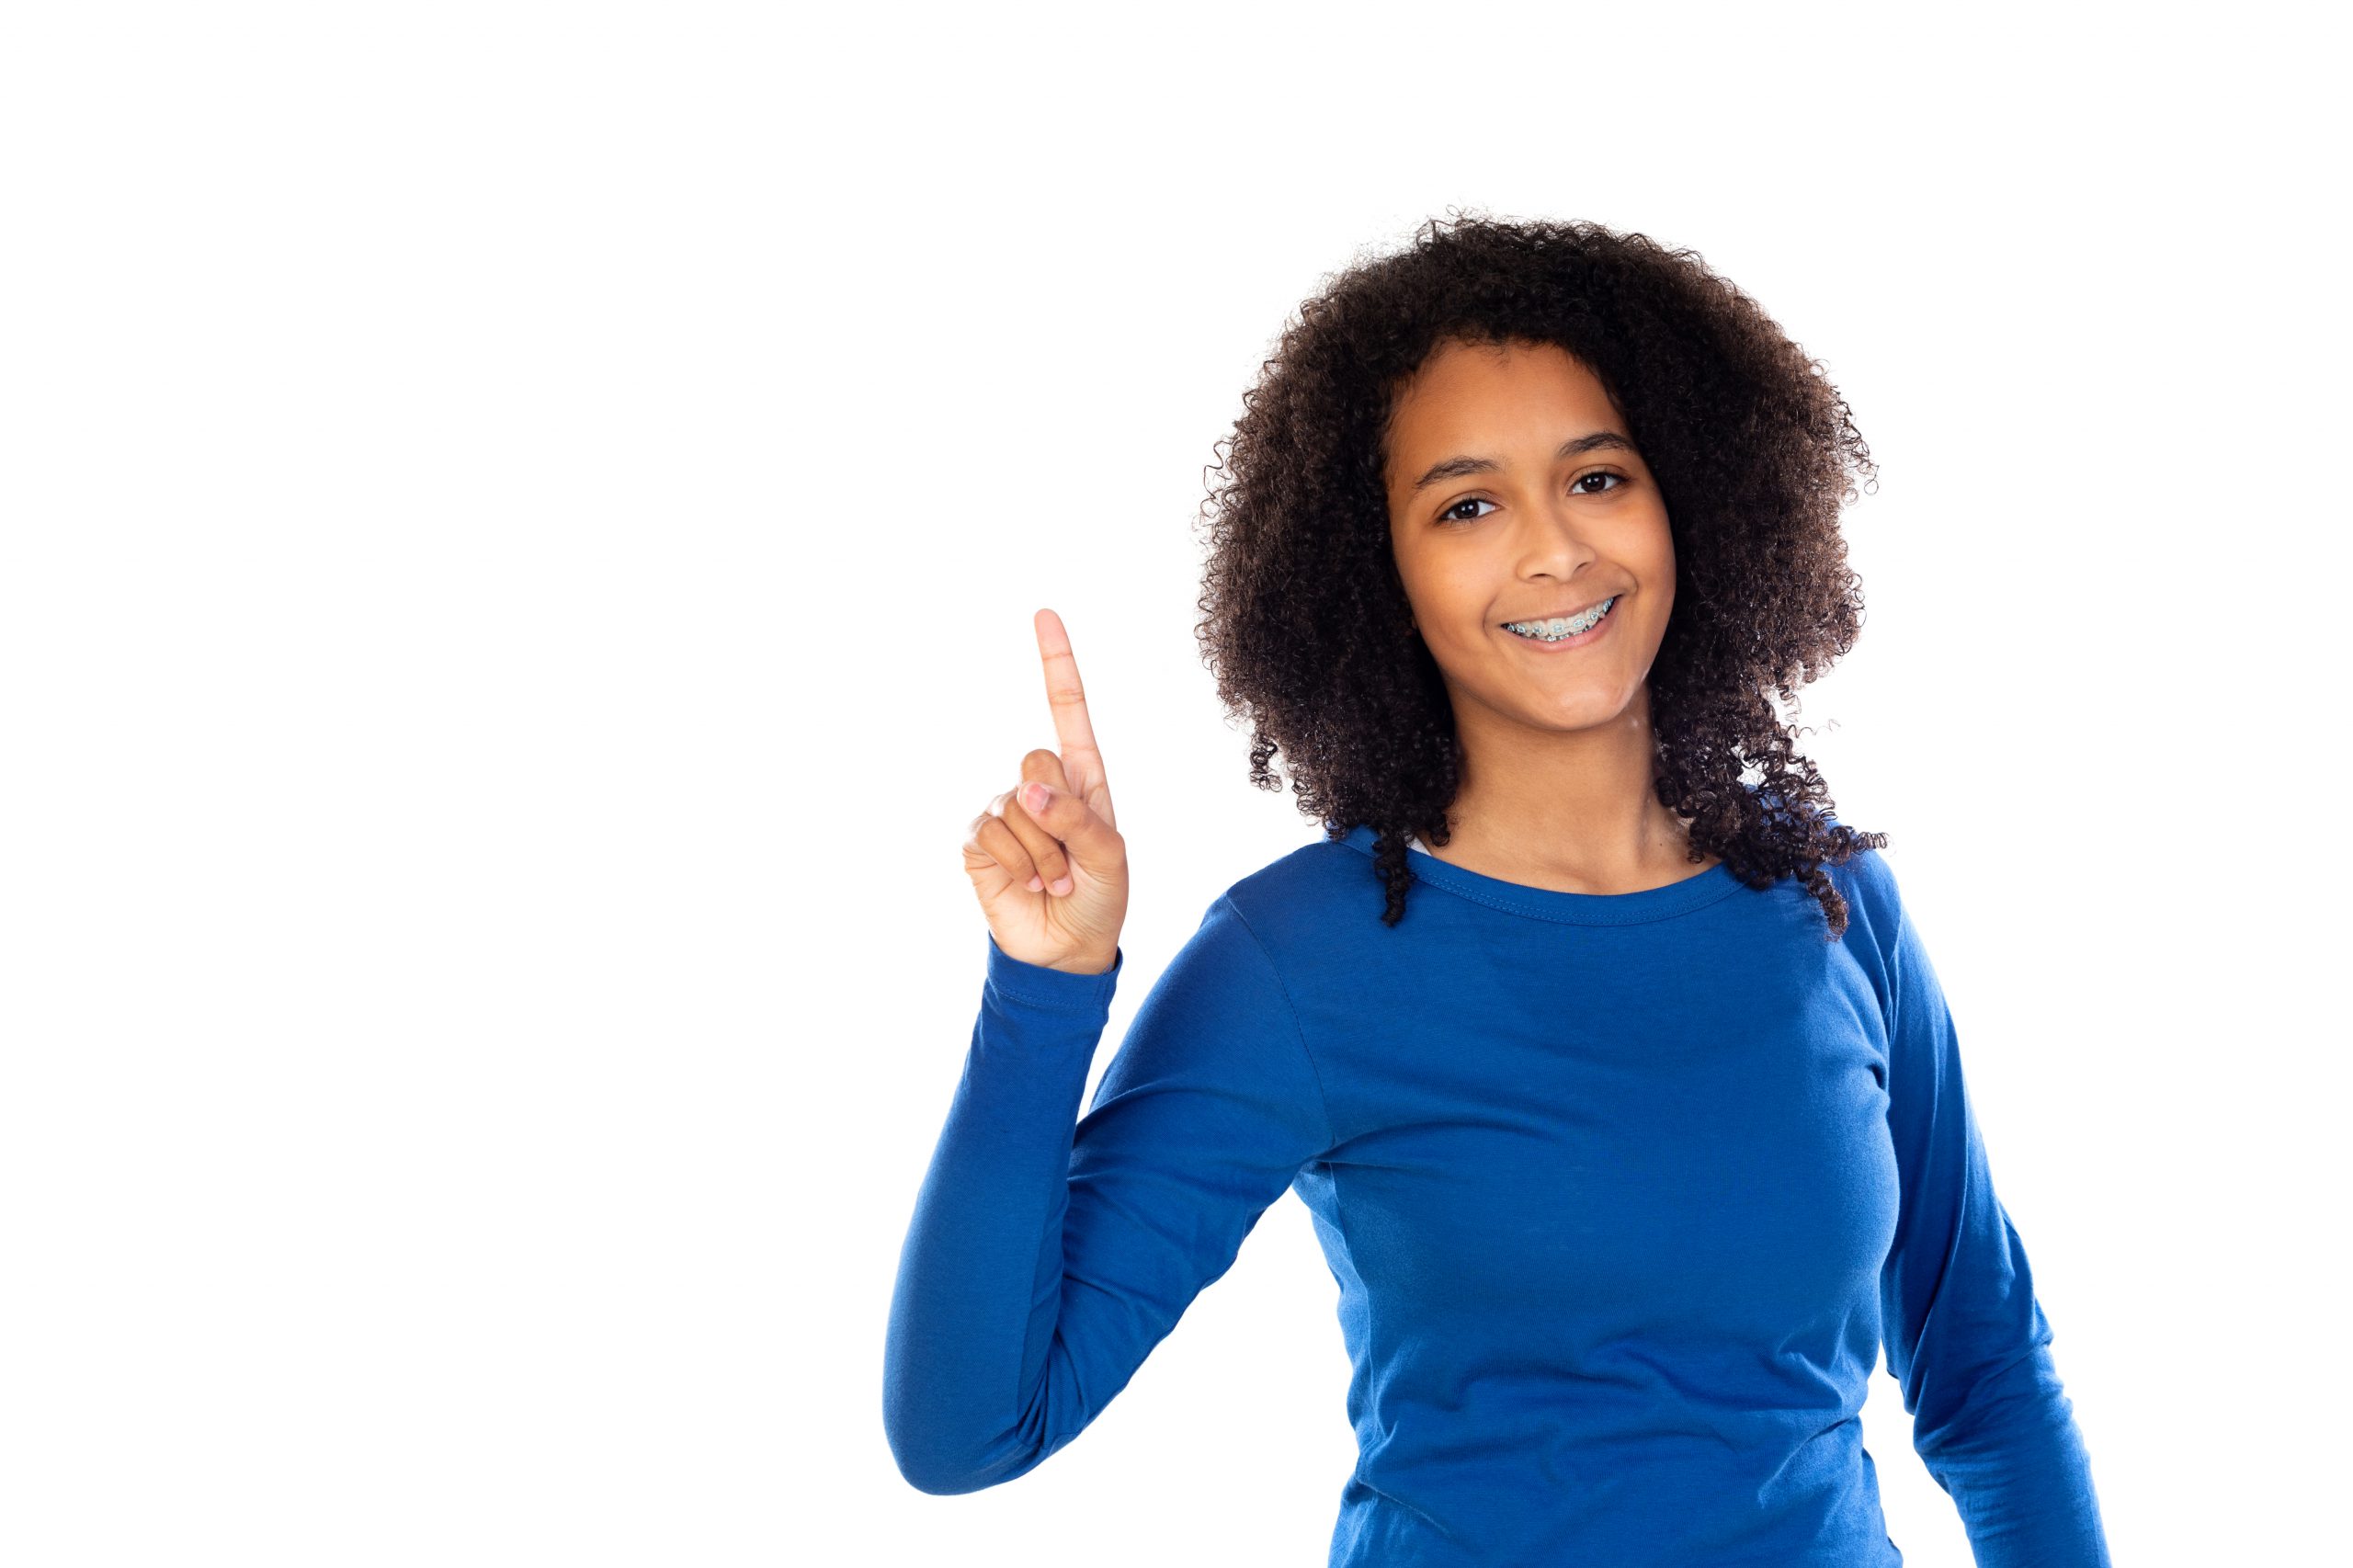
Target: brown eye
{"points": [[1449, 514], [1598, 473]]}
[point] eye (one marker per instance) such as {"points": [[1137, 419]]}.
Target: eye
{"points": [[1576, 487]]}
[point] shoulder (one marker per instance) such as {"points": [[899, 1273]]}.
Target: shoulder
{"points": [[1874, 912], [1864, 879], [1307, 896], [1304, 888]]}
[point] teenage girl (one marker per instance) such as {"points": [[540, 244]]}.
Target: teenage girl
{"points": [[1639, 1132]]}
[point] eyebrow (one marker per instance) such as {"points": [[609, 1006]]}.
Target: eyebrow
{"points": [[1454, 468]]}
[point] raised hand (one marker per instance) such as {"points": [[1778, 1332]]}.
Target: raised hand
{"points": [[1051, 873]]}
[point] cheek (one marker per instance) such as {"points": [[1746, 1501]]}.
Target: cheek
{"points": [[1659, 569]]}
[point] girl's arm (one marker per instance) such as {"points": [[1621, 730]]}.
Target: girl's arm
{"points": [[1045, 1260], [1965, 1336]]}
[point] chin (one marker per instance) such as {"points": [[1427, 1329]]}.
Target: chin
{"points": [[1564, 710]]}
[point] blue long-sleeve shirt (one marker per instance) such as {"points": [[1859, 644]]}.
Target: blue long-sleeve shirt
{"points": [[1623, 1193]]}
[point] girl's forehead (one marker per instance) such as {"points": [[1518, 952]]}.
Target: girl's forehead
{"points": [[1501, 418]]}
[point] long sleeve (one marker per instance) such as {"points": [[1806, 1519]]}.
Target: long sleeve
{"points": [[1965, 1334], [1045, 1260]]}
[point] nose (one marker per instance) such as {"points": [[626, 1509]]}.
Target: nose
{"points": [[1555, 544]]}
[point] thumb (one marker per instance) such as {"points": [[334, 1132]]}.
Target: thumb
{"points": [[1083, 834]]}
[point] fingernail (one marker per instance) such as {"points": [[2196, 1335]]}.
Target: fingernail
{"points": [[1035, 795], [1035, 884], [1061, 887]]}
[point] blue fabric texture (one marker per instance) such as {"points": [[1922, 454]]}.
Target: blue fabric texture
{"points": [[1623, 1195]]}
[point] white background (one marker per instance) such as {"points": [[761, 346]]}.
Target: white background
{"points": [[521, 531]]}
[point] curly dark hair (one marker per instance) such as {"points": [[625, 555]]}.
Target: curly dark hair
{"points": [[1305, 620]]}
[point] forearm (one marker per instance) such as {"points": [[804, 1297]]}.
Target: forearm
{"points": [[983, 1255], [2018, 1470]]}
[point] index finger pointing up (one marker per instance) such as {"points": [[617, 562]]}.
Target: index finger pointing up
{"points": [[1082, 763]]}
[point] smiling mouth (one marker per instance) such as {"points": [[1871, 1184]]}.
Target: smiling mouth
{"points": [[1608, 608]]}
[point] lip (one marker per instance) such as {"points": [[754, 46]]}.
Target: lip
{"points": [[1583, 639], [1571, 612]]}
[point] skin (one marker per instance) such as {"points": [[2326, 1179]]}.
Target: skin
{"points": [[1559, 755]]}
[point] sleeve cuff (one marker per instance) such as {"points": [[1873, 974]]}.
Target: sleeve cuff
{"points": [[1056, 990]]}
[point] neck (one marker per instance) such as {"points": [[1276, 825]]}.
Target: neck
{"points": [[1573, 809]]}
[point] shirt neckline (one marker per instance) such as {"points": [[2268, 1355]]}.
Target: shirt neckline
{"points": [[1550, 904]]}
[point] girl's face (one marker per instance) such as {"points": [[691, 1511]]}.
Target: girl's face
{"points": [[1515, 495]]}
